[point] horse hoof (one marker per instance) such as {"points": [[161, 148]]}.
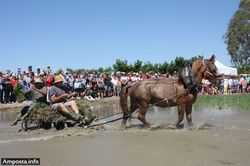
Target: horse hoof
{"points": [[180, 126], [190, 124], [171, 126], [123, 127], [191, 128], [155, 127], [146, 126]]}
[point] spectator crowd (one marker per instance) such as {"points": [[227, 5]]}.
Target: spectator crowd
{"points": [[89, 85], [93, 86], [227, 86]]}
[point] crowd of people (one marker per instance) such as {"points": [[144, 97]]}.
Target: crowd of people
{"points": [[228, 86], [93, 86], [60, 90]]}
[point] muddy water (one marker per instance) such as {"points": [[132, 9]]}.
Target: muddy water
{"points": [[219, 138]]}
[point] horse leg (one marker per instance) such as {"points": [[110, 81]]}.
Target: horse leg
{"points": [[181, 109], [133, 107], [142, 117], [124, 107], [124, 120], [128, 112], [189, 115], [142, 114]]}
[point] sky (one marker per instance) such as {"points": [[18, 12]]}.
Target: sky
{"points": [[94, 33]]}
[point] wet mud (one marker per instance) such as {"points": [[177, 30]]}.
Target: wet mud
{"points": [[219, 137]]}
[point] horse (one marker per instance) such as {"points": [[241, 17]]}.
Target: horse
{"points": [[168, 92]]}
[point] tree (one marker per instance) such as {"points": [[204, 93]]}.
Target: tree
{"points": [[137, 66], [172, 68], [156, 67], [244, 69], [163, 68], [100, 70], [179, 63], [108, 70], [121, 65], [237, 36], [147, 67], [69, 70], [194, 58], [80, 71]]}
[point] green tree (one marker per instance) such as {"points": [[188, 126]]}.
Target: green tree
{"points": [[147, 67], [100, 70], [172, 67], [69, 70], [179, 63], [80, 71], [137, 66], [163, 68], [194, 58], [156, 67], [108, 70], [237, 36], [121, 65], [244, 69]]}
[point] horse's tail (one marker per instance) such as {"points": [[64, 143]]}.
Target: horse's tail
{"points": [[124, 103]]}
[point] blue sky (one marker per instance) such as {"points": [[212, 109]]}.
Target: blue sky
{"points": [[93, 33]]}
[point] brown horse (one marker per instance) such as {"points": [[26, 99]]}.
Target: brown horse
{"points": [[168, 92]]}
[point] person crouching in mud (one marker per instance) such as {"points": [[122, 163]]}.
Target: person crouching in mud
{"points": [[39, 92], [62, 102]]}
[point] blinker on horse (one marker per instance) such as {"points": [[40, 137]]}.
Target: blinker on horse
{"points": [[181, 92]]}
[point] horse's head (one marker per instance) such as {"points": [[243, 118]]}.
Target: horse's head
{"points": [[205, 69]]}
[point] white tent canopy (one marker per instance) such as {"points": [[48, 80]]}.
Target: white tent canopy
{"points": [[223, 69]]}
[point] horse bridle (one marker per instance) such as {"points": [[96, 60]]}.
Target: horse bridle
{"points": [[195, 87], [206, 72]]}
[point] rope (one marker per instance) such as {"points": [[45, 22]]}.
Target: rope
{"points": [[109, 121], [106, 122], [106, 117]]}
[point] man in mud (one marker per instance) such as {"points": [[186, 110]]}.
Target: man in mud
{"points": [[62, 102], [39, 92]]}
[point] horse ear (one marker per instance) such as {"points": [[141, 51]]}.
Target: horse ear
{"points": [[212, 58]]}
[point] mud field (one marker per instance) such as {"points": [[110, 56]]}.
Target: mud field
{"points": [[220, 137]]}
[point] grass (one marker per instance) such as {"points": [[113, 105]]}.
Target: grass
{"points": [[239, 101]]}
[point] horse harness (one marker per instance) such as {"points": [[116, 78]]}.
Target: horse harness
{"points": [[189, 81], [190, 85], [187, 78]]}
